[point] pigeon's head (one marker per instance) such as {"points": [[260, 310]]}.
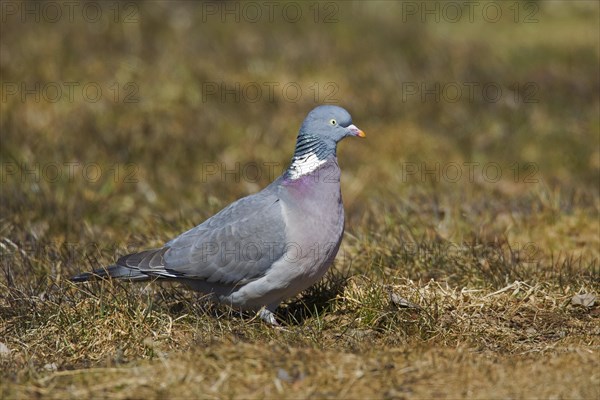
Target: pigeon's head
{"points": [[317, 141], [330, 124]]}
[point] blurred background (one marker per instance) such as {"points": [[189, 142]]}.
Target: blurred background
{"points": [[123, 124]]}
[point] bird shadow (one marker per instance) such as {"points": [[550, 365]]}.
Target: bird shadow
{"points": [[315, 301]]}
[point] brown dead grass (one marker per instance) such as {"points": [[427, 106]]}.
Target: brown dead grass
{"points": [[220, 370], [450, 343]]}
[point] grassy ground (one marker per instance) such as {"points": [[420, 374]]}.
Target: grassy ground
{"points": [[475, 285]]}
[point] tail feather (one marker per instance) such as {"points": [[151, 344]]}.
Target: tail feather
{"points": [[113, 271], [133, 267]]}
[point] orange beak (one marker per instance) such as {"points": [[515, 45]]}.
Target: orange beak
{"points": [[357, 132]]}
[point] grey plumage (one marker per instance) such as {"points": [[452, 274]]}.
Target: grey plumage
{"points": [[266, 247]]}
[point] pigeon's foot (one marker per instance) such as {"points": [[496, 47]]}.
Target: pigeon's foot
{"points": [[268, 316]]}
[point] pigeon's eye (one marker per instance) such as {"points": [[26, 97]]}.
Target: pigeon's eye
{"points": [[333, 122]]}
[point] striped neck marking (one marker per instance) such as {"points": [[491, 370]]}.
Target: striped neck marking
{"points": [[304, 165], [311, 152]]}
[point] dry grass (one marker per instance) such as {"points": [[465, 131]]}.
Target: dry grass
{"points": [[441, 289], [467, 342]]}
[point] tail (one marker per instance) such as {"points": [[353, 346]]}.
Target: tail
{"points": [[132, 267], [113, 271]]}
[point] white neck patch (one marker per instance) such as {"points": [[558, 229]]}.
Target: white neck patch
{"points": [[305, 165]]}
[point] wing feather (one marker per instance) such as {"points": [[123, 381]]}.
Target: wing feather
{"points": [[238, 244]]}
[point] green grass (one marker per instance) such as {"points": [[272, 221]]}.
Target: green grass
{"points": [[488, 267]]}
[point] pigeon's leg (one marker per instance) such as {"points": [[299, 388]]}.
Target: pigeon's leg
{"points": [[268, 316]]}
